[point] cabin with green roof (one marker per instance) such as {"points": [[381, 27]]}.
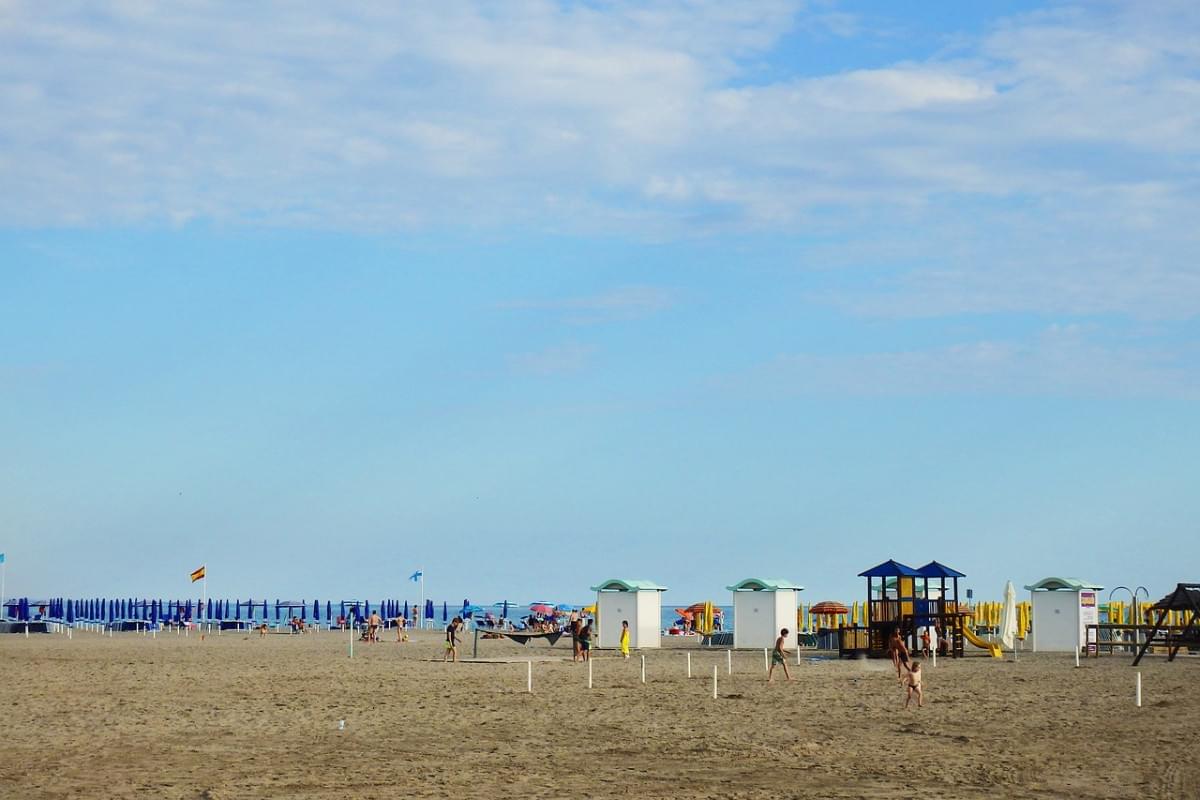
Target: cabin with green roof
{"points": [[638, 602], [761, 608], [1062, 610]]}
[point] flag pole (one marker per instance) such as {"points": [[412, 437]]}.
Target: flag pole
{"points": [[204, 591], [421, 576], [3, 577]]}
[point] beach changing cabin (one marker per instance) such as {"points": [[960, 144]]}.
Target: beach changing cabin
{"points": [[761, 608], [637, 602], [1062, 610]]}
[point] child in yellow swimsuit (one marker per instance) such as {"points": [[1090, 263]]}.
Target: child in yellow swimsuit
{"points": [[625, 638]]}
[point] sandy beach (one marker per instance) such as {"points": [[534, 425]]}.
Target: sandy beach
{"points": [[236, 716]]}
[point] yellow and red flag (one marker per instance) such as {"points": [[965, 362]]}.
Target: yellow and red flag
{"points": [[198, 575]]}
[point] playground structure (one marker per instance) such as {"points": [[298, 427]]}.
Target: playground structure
{"points": [[905, 599]]}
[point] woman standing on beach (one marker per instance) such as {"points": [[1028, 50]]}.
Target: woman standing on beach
{"points": [[898, 652], [625, 639]]}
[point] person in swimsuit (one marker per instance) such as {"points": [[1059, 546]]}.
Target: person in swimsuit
{"points": [[585, 640], [373, 623], [778, 657], [625, 639], [401, 629], [576, 649], [913, 685], [452, 640], [898, 652], [925, 641]]}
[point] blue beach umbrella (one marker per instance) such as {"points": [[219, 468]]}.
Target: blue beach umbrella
{"points": [[208, 611], [329, 611], [445, 611], [237, 609], [366, 608], [70, 612], [504, 612], [316, 611], [429, 609], [406, 609]]}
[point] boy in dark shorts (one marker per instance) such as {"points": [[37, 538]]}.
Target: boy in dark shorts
{"points": [[779, 657]]}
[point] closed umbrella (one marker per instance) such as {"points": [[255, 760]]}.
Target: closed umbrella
{"points": [[329, 611], [406, 609], [1008, 617], [429, 609], [70, 612], [237, 610], [445, 611]]}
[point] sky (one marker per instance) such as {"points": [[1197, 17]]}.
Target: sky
{"points": [[531, 295]]}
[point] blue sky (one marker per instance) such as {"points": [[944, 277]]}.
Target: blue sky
{"points": [[537, 294]]}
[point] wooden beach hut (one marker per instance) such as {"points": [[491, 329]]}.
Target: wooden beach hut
{"points": [[637, 602], [761, 608], [1063, 608]]}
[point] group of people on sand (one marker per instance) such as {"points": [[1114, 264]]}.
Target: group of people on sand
{"points": [[906, 664]]}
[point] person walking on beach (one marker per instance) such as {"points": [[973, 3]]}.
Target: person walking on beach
{"points": [[585, 640], [913, 685], [401, 628], [576, 650], [925, 641], [373, 623], [898, 651], [625, 639], [452, 640], [779, 657]]}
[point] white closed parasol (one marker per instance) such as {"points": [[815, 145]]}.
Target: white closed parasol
{"points": [[1008, 617]]}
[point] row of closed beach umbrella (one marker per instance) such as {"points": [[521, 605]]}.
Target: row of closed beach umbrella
{"points": [[100, 609]]}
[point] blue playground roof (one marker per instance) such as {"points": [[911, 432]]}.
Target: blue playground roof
{"points": [[890, 569], [935, 570]]}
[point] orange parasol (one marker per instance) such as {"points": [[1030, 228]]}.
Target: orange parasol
{"points": [[828, 607]]}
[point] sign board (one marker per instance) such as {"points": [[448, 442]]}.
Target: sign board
{"points": [[1089, 614]]}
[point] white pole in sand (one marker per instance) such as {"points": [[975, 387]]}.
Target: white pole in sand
{"points": [[689, 655], [934, 654], [643, 669], [729, 662], [589, 673], [714, 681], [1138, 692], [1076, 658], [351, 629], [529, 676], [766, 661]]}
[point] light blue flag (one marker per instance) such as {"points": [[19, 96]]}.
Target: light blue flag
{"points": [[1, 558], [416, 576]]}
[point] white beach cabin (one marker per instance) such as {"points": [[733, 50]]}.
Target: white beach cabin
{"points": [[637, 602], [761, 608], [1062, 610]]}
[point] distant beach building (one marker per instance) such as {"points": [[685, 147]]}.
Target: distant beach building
{"points": [[634, 601], [1062, 610], [761, 608]]}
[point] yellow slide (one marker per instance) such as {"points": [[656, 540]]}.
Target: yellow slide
{"points": [[983, 644]]}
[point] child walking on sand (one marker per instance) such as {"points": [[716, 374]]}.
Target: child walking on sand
{"points": [[913, 685], [625, 639], [779, 657]]}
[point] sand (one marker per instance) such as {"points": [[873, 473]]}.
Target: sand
{"points": [[236, 716]]}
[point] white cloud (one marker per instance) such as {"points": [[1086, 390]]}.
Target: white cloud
{"points": [[1062, 360], [1061, 146], [558, 360], [621, 303]]}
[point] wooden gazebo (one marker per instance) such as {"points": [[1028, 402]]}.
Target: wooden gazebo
{"points": [[1185, 598]]}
